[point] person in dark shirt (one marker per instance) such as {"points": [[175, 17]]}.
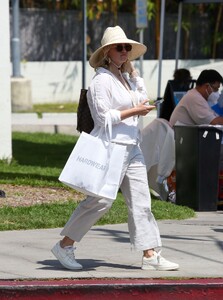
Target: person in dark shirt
{"points": [[174, 91]]}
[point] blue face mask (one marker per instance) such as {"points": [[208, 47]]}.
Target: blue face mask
{"points": [[213, 98]]}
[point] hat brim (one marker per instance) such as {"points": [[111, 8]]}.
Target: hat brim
{"points": [[138, 49]]}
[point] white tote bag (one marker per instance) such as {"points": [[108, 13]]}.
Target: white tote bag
{"points": [[94, 166]]}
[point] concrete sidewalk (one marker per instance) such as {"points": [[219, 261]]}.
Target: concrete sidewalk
{"points": [[65, 123], [196, 244]]}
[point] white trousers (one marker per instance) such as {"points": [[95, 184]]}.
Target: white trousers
{"points": [[143, 229]]}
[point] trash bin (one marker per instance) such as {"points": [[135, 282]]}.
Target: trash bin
{"points": [[197, 166]]}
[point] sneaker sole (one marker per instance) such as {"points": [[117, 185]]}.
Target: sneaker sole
{"points": [[146, 268], [62, 263]]}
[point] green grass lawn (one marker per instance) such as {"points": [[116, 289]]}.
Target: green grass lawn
{"points": [[38, 159], [56, 215], [67, 107]]}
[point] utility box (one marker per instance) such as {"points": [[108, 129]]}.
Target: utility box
{"points": [[197, 166]]}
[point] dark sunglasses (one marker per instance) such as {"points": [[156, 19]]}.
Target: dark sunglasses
{"points": [[120, 47]]}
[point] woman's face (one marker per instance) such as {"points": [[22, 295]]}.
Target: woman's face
{"points": [[119, 53]]}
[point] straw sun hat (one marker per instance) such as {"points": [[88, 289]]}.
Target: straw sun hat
{"points": [[115, 35]]}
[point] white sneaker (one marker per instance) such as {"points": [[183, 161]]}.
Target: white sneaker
{"points": [[66, 257], [157, 262], [172, 197]]}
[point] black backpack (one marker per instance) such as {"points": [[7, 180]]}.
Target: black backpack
{"points": [[84, 119]]}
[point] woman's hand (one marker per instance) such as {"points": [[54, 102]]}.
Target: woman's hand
{"points": [[128, 67], [142, 109]]}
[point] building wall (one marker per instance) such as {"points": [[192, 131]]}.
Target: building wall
{"points": [[62, 81], [5, 97]]}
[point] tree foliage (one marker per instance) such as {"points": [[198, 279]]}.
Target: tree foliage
{"points": [[95, 8]]}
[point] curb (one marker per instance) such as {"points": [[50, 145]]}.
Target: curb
{"points": [[112, 289]]}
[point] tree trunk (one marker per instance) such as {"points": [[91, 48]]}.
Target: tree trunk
{"points": [[216, 31]]}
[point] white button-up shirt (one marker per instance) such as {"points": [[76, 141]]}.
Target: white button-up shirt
{"points": [[106, 94]]}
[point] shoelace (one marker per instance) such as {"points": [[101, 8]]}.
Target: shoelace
{"points": [[159, 257], [70, 252]]}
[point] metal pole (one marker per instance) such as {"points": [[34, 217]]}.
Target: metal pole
{"points": [[84, 46], [180, 8], [141, 57], [15, 40], [161, 49]]}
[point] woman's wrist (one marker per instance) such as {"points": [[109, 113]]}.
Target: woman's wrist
{"points": [[133, 73], [133, 111]]}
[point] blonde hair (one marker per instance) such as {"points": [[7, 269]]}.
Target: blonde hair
{"points": [[105, 60]]}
